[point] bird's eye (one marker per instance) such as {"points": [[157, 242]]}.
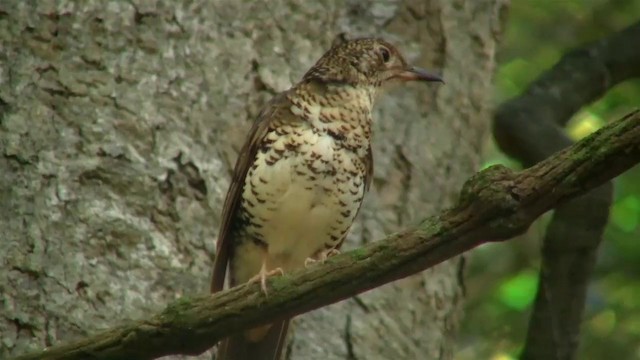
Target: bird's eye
{"points": [[384, 52]]}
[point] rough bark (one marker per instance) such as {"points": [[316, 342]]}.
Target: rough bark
{"points": [[495, 204], [119, 123]]}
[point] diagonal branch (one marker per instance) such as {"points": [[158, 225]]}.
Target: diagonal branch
{"points": [[495, 204], [528, 128]]}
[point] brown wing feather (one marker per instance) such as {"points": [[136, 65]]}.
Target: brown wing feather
{"points": [[237, 347], [276, 108]]}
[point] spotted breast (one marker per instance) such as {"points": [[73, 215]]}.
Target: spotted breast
{"points": [[306, 184]]}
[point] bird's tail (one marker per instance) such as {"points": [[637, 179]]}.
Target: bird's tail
{"points": [[263, 343]]}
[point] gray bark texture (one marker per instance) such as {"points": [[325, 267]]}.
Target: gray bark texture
{"points": [[120, 122]]}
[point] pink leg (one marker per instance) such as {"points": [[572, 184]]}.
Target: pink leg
{"points": [[263, 274]]}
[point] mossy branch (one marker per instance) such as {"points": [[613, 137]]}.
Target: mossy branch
{"points": [[495, 204]]}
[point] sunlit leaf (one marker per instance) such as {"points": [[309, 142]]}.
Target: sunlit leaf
{"points": [[584, 124], [502, 356], [519, 291]]}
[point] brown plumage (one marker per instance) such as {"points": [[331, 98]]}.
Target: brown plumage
{"points": [[301, 176]]}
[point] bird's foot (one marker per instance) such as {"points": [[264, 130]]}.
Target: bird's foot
{"points": [[262, 277], [322, 257], [309, 261], [329, 253]]}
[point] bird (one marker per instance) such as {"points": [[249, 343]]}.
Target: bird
{"points": [[301, 176]]}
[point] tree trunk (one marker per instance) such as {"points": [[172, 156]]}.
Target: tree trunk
{"points": [[120, 123]]}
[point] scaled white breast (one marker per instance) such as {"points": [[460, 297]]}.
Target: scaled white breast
{"points": [[299, 205], [307, 199]]}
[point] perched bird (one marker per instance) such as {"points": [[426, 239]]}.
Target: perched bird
{"points": [[300, 178]]}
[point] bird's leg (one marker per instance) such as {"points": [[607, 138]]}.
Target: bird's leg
{"points": [[321, 257], [264, 273]]}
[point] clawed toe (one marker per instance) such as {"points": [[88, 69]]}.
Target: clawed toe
{"points": [[322, 257], [331, 252], [263, 275], [309, 261]]}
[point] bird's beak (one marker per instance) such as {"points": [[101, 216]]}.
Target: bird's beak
{"points": [[414, 73]]}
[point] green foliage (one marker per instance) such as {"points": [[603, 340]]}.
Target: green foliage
{"points": [[519, 291], [624, 213], [503, 277]]}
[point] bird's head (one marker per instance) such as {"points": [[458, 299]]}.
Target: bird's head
{"points": [[365, 62]]}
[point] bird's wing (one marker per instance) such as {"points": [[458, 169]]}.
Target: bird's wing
{"points": [[274, 113]]}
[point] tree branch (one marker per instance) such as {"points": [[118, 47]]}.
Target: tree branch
{"points": [[494, 205], [579, 78], [527, 128]]}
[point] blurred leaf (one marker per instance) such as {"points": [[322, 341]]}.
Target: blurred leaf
{"points": [[583, 124], [625, 213], [518, 292], [503, 356], [603, 323], [632, 325]]}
